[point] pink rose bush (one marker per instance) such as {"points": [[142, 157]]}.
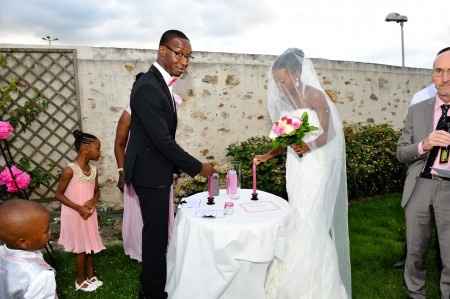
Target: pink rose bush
{"points": [[6, 130], [23, 179]]}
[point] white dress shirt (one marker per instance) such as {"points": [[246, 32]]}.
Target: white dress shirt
{"points": [[25, 275], [168, 79], [166, 76]]}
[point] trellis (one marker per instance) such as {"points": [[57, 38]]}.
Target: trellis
{"points": [[47, 141]]}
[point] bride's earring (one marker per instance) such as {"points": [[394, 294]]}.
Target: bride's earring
{"points": [[297, 82]]}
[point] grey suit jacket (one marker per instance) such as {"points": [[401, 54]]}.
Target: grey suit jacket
{"points": [[418, 125]]}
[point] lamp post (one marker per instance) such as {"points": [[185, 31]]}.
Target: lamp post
{"points": [[398, 18], [49, 39]]}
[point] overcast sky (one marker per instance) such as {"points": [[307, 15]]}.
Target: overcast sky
{"points": [[352, 30]]}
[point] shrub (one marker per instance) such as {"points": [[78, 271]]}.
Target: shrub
{"points": [[270, 175], [372, 167]]}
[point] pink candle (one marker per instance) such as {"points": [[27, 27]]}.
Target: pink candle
{"points": [[254, 176], [209, 186]]}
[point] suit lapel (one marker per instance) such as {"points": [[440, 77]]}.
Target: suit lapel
{"points": [[427, 111], [164, 86]]}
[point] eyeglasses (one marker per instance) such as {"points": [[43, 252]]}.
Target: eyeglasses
{"points": [[179, 55], [438, 72]]}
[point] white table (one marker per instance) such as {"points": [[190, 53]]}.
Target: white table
{"points": [[225, 258]]}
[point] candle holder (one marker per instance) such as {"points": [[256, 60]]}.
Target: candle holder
{"points": [[210, 200], [254, 196]]}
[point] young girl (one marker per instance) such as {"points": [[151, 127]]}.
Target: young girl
{"points": [[79, 193]]}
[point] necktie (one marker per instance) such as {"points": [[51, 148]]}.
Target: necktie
{"points": [[172, 82], [441, 125]]}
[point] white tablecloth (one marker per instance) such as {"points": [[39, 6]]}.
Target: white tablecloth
{"points": [[225, 258]]}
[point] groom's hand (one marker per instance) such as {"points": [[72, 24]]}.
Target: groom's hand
{"points": [[207, 170]]}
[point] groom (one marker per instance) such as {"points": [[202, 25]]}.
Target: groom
{"points": [[153, 155]]}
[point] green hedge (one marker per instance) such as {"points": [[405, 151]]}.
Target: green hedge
{"points": [[270, 175], [372, 167]]}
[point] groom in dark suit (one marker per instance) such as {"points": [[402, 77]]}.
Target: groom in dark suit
{"points": [[153, 155]]}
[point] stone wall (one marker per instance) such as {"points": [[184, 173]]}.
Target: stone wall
{"points": [[224, 97]]}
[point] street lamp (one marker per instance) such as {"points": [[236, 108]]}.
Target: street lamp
{"points": [[49, 39], [398, 18]]}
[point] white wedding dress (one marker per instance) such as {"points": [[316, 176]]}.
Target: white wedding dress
{"points": [[308, 266]]}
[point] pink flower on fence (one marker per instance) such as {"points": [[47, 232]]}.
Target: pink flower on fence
{"points": [[5, 130], [23, 179]]}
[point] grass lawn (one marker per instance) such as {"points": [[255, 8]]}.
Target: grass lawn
{"points": [[377, 230], [376, 238]]}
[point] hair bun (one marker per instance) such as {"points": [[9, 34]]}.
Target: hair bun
{"points": [[77, 134], [299, 52]]}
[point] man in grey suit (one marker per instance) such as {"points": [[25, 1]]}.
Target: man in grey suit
{"points": [[426, 196]]}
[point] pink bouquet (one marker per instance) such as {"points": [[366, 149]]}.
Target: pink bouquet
{"points": [[5, 130], [22, 179], [290, 129]]}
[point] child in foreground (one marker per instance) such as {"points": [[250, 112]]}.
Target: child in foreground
{"points": [[24, 229]]}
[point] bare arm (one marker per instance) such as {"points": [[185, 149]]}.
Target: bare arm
{"points": [[92, 203], [64, 181], [320, 105], [120, 143], [123, 127], [258, 159]]}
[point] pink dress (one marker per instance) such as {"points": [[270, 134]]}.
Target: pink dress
{"points": [[132, 224], [132, 220], [78, 235]]}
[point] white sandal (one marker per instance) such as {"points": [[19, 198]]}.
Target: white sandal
{"points": [[95, 281], [85, 286]]}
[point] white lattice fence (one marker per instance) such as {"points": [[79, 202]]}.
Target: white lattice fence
{"points": [[51, 74]]}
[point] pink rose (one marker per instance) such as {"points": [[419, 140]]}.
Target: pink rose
{"points": [[279, 131], [23, 179], [5, 130], [296, 123], [289, 121]]}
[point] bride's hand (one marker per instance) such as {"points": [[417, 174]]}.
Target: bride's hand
{"points": [[258, 159], [300, 149]]}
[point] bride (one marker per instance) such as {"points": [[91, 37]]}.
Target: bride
{"points": [[315, 261]]}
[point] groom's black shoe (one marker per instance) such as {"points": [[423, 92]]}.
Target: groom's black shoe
{"points": [[142, 296]]}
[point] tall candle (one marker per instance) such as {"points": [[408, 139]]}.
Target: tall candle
{"points": [[209, 186], [254, 176]]}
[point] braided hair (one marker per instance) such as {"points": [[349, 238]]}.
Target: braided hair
{"points": [[82, 138]]}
